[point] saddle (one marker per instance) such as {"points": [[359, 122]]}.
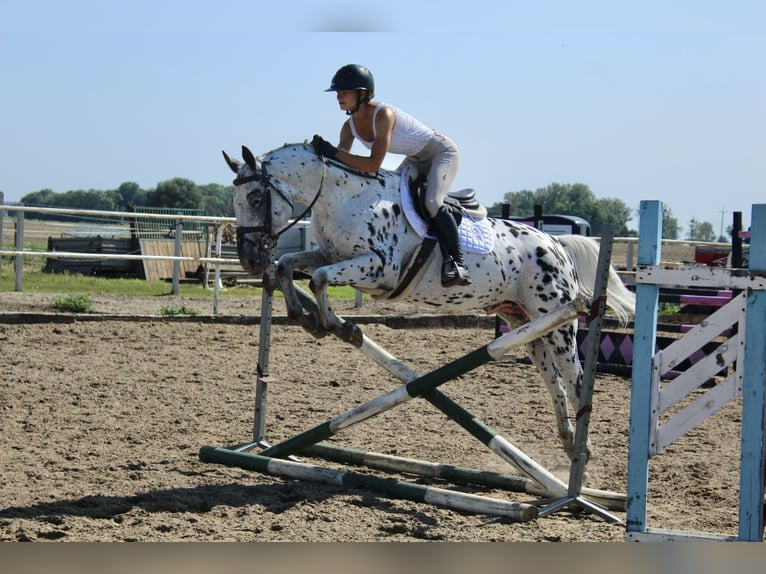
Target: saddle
{"points": [[460, 202], [475, 232]]}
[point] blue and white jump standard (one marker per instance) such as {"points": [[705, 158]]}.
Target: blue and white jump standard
{"points": [[743, 320]]}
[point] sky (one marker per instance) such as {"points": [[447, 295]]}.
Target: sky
{"points": [[639, 101]]}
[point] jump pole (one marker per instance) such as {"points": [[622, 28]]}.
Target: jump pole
{"points": [[542, 483], [270, 459], [515, 511], [545, 483], [422, 386], [457, 474], [264, 348]]}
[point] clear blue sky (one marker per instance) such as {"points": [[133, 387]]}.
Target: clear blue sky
{"points": [[638, 100]]}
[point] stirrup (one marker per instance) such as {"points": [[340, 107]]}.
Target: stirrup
{"points": [[453, 273]]}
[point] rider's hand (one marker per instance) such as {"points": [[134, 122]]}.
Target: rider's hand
{"points": [[323, 147]]}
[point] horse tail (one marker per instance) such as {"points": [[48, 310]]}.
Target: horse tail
{"points": [[584, 252]]}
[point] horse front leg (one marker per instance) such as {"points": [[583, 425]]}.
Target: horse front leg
{"points": [[363, 272], [345, 330], [304, 262]]}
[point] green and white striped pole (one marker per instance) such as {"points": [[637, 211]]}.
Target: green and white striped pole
{"points": [[549, 484], [422, 385], [515, 511]]}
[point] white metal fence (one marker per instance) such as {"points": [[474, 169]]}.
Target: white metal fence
{"points": [[213, 258]]}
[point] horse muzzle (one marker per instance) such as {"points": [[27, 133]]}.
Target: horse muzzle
{"points": [[255, 252]]}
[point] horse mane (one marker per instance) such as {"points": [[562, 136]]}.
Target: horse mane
{"points": [[359, 172], [380, 175]]}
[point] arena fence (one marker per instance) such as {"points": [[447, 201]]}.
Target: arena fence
{"points": [[216, 256]]}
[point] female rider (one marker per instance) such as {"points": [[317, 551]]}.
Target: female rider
{"points": [[383, 128]]}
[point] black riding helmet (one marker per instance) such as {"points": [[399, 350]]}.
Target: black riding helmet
{"points": [[352, 77]]}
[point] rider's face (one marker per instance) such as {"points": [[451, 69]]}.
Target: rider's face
{"points": [[347, 100]]}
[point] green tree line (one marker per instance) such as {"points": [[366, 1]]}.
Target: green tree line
{"points": [[570, 199], [577, 199], [211, 199]]}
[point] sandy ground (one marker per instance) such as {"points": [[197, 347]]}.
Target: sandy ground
{"points": [[103, 421]]}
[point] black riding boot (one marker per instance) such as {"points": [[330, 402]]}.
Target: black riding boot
{"points": [[454, 271]]}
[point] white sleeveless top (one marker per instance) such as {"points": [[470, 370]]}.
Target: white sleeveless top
{"points": [[408, 137]]}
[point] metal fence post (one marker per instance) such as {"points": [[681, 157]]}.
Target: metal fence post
{"points": [[19, 247], [177, 253], [2, 219]]}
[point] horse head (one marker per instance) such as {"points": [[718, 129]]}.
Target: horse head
{"points": [[262, 208]]}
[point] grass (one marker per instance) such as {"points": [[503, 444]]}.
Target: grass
{"points": [[175, 311], [73, 304], [669, 309], [36, 281]]}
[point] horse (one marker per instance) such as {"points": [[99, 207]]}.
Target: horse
{"points": [[367, 239]]}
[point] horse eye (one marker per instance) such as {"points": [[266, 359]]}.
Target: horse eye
{"points": [[254, 199]]}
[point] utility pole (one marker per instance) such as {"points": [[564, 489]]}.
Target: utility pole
{"points": [[723, 210]]}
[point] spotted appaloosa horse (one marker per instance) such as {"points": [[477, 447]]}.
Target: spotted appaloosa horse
{"points": [[365, 240]]}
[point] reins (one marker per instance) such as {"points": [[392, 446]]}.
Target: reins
{"points": [[270, 238]]}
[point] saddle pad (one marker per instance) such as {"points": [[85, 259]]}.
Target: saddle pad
{"points": [[475, 235]]}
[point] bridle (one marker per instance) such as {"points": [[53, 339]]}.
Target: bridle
{"points": [[269, 237]]}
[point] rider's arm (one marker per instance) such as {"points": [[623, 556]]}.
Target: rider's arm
{"points": [[384, 125], [346, 137]]}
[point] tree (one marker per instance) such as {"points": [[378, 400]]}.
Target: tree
{"points": [[177, 192], [520, 203], [570, 199], [213, 199], [130, 194], [610, 211], [87, 199], [670, 228], [40, 198], [700, 231], [217, 200]]}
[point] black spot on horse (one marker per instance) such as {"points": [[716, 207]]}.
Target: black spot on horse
{"points": [[547, 267]]}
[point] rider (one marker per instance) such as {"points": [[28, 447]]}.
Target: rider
{"points": [[383, 128]]}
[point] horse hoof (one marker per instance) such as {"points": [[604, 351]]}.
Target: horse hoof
{"points": [[350, 333], [313, 326]]}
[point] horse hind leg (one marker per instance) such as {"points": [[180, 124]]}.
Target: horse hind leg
{"points": [[568, 364], [541, 358]]}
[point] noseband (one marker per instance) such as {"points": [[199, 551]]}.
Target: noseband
{"points": [[269, 237]]}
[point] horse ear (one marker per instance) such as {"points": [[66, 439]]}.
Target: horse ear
{"points": [[249, 158], [233, 164]]}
